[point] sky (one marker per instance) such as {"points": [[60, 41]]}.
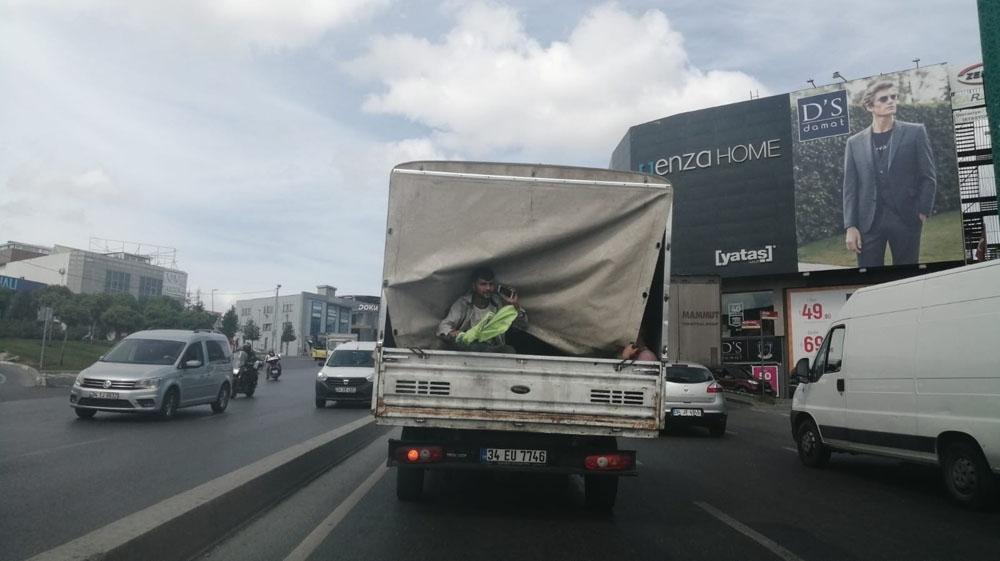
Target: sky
{"points": [[256, 136]]}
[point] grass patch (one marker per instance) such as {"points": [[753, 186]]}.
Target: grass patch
{"points": [[79, 354], [941, 240]]}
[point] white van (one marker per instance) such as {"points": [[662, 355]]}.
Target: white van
{"points": [[910, 370]]}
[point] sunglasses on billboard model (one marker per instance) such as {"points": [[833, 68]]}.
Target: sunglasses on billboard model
{"points": [[885, 98]]}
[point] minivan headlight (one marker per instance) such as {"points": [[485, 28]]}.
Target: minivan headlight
{"points": [[79, 379], [370, 377], [148, 383], [321, 375]]}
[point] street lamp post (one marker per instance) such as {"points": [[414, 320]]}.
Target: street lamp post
{"points": [[213, 299], [274, 321]]}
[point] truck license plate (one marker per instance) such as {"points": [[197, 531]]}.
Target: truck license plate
{"points": [[104, 395], [345, 389], [686, 412], [513, 456]]}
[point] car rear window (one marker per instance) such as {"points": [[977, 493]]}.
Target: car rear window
{"points": [[688, 374]]}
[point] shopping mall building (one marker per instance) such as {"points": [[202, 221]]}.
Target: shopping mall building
{"points": [[761, 189]]}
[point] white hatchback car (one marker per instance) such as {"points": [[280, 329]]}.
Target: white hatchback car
{"points": [[691, 396]]}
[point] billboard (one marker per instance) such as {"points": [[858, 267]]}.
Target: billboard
{"points": [[810, 314], [764, 186]]}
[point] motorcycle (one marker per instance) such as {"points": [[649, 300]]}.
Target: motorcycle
{"points": [[273, 367], [245, 374]]}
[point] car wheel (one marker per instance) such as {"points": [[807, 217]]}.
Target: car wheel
{"points": [[967, 475], [169, 406], [600, 491], [320, 403], [85, 413], [409, 483], [222, 401], [812, 451], [718, 429]]}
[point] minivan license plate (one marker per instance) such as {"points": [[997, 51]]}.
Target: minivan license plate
{"points": [[686, 412], [513, 456], [345, 389], [104, 395]]}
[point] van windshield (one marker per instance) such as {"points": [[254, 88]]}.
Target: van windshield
{"points": [[351, 358], [145, 351]]}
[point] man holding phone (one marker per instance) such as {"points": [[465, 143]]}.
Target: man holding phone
{"points": [[484, 299]]}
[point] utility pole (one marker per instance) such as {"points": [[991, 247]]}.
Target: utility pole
{"points": [[274, 320], [213, 299]]}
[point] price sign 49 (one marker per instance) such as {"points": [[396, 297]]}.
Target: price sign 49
{"points": [[811, 343], [814, 311]]}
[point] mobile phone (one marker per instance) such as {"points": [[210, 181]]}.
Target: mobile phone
{"points": [[506, 291]]}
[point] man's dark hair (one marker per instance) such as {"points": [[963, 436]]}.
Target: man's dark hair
{"points": [[481, 273], [869, 98]]}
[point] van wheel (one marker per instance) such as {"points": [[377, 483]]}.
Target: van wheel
{"points": [[169, 406], [409, 483], [85, 413], [600, 491], [222, 401], [812, 451], [967, 476]]}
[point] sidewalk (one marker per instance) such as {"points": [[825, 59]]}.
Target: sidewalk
{"points": [[767, 402]]}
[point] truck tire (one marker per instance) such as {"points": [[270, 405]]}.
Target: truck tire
{"points": [[601, 491], [409, 484], [967, 475], [812, 452]]}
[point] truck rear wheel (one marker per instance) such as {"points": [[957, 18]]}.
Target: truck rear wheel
{"points": [[409, 483], [601, 491], [967, 475]]}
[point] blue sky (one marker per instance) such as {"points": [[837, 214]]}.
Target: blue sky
{"points": [[256, 136]]}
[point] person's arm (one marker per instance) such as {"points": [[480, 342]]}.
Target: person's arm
{"points": [[926, 175], [451, 323], [852, 235], [521, 321]]}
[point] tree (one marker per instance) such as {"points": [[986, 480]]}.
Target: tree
{"points": [[23, 306], [287, 335], [162, 312], [250, 331], [230, 323], [196, 317], [121, 319], [6, 295], [96, 305]]}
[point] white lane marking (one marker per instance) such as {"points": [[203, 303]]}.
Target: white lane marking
{"points": [[749, 532], [316, 537], [790, 449], [3, 379], [47, 450]]}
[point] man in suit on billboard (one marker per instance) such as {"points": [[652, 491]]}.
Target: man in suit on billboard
{"points": [[889, 183]]}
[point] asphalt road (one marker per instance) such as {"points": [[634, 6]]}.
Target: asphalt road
{"points": [[61, 477], [742, 497]]}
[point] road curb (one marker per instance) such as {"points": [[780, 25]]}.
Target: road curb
{"points": [[184, 525], [39, 379]]}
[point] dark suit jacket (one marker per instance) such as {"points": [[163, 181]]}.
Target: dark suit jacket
{"points": [[912, 175]]}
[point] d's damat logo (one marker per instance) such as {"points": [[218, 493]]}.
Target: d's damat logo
{"points": [[823, 115]]}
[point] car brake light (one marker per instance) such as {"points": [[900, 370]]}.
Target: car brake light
{"points": [[714, 387], [608, 462], [420, 454]]}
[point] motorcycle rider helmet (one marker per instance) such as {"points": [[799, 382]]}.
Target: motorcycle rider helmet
{"points": [[247, 348]]}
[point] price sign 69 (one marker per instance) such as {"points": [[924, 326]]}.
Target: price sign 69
{"points": [[811, 343]]}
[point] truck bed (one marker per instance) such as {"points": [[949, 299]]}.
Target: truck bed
{"points": [[541, 394]]}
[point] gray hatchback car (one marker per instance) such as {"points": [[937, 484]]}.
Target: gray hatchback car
{"points": [[691, 396], [157, 372]]}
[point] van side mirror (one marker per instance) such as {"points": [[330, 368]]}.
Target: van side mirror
{"points": [[802, 370], [192, 364]]}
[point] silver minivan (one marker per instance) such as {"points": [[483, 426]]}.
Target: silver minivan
{"points": [[157, 372]]}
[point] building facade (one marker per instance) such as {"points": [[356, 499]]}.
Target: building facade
{"points": [[364, 318], [312, 315], [88, 272]]}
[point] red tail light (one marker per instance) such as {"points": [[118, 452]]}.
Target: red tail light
{"points": [[714, 387], [419, 454], [608, 462]]}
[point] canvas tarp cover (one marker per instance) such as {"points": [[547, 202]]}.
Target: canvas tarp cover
{"points": [[581, 255]]}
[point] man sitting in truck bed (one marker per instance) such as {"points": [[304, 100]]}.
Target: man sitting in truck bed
{"points": [[472, 308]]}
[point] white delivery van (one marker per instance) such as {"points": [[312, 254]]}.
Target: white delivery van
{"points": [[910, 370]]}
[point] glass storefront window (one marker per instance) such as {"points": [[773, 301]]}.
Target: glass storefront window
{"points": [[741, 306]]}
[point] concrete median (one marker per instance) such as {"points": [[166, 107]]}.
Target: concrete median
{"points": [[182, 526]]}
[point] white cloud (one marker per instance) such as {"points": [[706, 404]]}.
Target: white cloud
{"points": [[487, 87]]}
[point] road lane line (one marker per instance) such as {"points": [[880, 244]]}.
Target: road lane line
{"points": [[47, 450], [3, 379], [749, 532], [320, 533], [790, 449]]}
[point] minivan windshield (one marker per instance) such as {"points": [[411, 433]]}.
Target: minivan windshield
{"points": [[145, 351], [351, 358], [688, 374]]}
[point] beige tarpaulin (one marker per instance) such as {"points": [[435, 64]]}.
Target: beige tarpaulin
{"points": [[580, 251]]}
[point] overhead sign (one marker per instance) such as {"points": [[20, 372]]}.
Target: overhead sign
{"points": [[823, 115], [967, 87], [750, 324]]}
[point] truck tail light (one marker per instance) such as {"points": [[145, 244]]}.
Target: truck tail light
{"points": [[419, 454], [608, 462], [714, 387]]}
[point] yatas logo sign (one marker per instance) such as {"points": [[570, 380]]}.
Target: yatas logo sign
{"points": [[823, 115], [763, 255]]}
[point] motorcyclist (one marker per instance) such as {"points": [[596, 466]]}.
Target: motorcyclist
{"points": [[273, 360], [249, 357]]}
